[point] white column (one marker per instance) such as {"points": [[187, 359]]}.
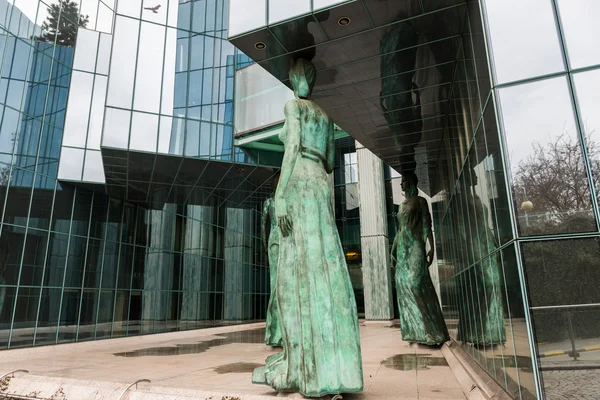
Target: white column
{"points": [[377, 277]]}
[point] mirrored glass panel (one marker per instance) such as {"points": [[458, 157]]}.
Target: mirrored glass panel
{"points": [[549, 181], [144, 130], [280, 10], [246, 15], [78, 111], [87, 48], [259, 99], [71, 165], [116, 128], [93, 170], [122, 67], [580, 24], [149, 68], [587, 86], [524, 39]]}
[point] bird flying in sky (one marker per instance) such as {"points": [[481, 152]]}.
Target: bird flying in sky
{"points": [[153, 9]]}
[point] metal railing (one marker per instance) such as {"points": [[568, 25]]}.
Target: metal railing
{"points": [[133, 384]]}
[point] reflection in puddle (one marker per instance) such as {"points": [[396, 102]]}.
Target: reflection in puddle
{"points": [[249, 336], [411, 362], [236, 368]]}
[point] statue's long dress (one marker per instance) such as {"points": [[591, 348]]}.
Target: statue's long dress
{"points": [[421, 319], [321, 342], [273, 329], [484, 326]]}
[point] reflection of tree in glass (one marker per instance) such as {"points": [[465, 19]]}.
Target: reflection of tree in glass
{"points": [[62, 23], [554, 179], [5, 170]]}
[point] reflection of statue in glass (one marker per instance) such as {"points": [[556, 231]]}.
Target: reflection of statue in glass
{"points": [[4, 253], [321, 343], [400, 97], [487, 328], [421, 319], [269, 224]]}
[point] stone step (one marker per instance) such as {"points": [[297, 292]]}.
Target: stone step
{"points": [[44, 387]]}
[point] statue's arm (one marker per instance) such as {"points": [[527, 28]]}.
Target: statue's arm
{"points": [[292, 147], [330, 149]]}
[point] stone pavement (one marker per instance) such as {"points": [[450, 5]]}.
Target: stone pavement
{"points": [[572, 385], [214, 363]]}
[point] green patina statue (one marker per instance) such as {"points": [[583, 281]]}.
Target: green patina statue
{"points": [[421, 319], [269, 224], [321, 342]]}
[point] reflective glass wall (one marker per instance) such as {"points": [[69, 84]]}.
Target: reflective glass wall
{"points": [[478, 257], [545, 62], [77, 264]]}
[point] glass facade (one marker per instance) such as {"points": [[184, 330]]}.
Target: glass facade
{"points": [[518, 210], [136, 103], [130, 206]]}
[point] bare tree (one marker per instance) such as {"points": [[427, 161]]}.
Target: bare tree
{"points": [[555, 180]]}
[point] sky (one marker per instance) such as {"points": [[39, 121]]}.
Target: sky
{"points": [[525, 45]]}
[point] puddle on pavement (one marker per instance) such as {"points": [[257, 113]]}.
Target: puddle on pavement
{"points": [[411, 362], [237, 368], [249, 336]]}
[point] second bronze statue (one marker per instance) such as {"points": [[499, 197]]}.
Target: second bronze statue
{"points": [[421, 319]]}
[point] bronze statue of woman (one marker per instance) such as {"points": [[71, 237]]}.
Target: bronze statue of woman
{"points": [[421, 319], [271, 230], [321, 342]]}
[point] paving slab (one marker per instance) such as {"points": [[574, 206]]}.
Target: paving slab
{"points": [[215, 363]]}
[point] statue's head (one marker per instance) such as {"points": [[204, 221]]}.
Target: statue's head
{"points": [[302, 76], [409, 181]]}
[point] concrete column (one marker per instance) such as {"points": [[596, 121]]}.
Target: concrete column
{"points": [[377, 277], [158, 274], [197, 250], [237, 254]]}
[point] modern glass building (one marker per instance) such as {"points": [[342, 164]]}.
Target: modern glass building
{"points": [[493, 104], [138, 141]]}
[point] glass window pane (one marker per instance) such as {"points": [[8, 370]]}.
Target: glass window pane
{"points": [[524, 39], [131, 8], [122, 66], [144, 130], [149, 68], [78, 110], [550, 183], [580, 24], [116, 128], [97, 113], [85, 51], [71, 164], [93, 170], [587, 86], [104, 54], [246, 15], [280, 10]]}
